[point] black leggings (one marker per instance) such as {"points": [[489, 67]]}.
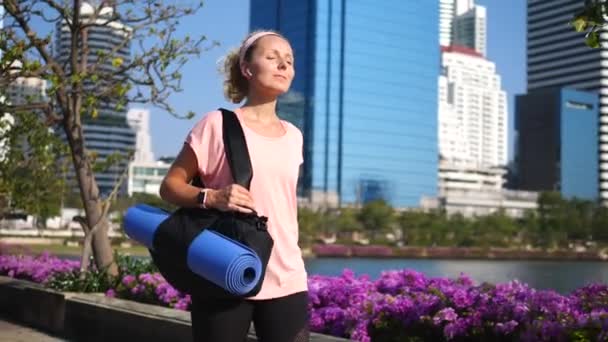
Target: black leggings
{"points": [[282, 319]]}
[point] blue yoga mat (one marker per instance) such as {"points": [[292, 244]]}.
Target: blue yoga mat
{"points": [[141, 222], [225, 262], [213, 256]]}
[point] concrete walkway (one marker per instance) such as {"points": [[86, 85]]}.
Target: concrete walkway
{"points": [[13, 332]]}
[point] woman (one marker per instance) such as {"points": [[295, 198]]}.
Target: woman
{"points": [[259, 71]]}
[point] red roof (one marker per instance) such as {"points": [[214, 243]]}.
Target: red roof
{"points": [[461, 49]]}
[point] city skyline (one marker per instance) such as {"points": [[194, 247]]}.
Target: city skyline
{"points": [[505, 47]]}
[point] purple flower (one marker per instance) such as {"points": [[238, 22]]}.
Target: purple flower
{"points": [[447, 314], [506, 328], [128, 280]]}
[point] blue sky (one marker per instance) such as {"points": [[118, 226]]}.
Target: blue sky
{"points": [[228, 20]]}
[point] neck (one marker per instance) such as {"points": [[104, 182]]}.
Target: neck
{"points": [[260, 108]]}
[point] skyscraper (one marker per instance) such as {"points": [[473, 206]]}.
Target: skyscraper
{"points": [[446, 15], [365, 95], [558, 57], [473, 110], [139, 120], [109, 132], [469, 29], [558, 145], [1, 22]]}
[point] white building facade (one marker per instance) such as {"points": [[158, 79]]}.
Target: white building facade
{"points": [[472, 110], [139, 120]]}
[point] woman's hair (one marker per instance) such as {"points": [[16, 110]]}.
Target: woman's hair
{"points": [[236, 86]]}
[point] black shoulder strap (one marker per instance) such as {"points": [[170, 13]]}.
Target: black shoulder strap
{"points": [[235, 146]]}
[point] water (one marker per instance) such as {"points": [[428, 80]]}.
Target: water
{"points": [[561, 276]]}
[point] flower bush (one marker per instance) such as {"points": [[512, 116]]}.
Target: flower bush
{"points": [[406, 306], [401, 305], [39, 269], [150, 288]]}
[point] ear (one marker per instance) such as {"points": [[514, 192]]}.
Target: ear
{"points": [[245, 71]]}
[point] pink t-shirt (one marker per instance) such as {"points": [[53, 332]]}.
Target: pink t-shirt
{"points": [[275, 162]]}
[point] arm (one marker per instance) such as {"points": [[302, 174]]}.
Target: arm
{"points": [[176, 189]]}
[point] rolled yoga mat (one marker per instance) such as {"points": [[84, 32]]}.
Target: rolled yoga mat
{"points": [[223, 261], [141, 222]]}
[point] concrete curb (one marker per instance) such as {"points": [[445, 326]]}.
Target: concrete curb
{"points": [[95, 317]]}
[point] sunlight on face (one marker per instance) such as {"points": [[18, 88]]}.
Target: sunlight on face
{"points": [[271, 66]]}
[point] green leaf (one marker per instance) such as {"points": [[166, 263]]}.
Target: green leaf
{"points": [[579, 24], [117, 62], [593, 39]]}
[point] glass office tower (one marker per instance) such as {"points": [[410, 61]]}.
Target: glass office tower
{"points": [[365, 95]]}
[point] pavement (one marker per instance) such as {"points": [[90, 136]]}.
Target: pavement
{"points": [[11, 331]]}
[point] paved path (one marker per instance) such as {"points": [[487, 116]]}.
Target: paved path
{"points": [[13, 332]]}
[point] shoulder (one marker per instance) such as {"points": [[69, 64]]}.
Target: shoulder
{"points": [[209, 122], [212, 118]]}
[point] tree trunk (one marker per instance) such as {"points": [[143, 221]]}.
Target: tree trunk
{"points": [[89, 192]]}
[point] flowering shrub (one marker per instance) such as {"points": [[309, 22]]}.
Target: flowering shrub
{"points": [[331, 250], [401, 305], [39, 269], [406, 306], [150, 288], [371, 251]]}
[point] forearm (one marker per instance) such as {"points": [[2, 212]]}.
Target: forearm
{"points": [[180, 193]]}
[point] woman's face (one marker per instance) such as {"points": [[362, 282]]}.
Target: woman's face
{"points": [[270, 70]]}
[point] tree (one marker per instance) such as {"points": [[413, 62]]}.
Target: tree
{"points": [[82, 83], [309, 225], [600, 224], [410, 223], [376, 217], [28, 166], [590, 19]]}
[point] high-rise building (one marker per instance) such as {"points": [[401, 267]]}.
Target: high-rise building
{"points": [[472, 123], [145, 174], [365, 95], [557, 142], [462, 6], [109, 132], [472, 110], [1, 22], [446, 15], [469, 29], [462, 23], [139, 120], [24, 90], [557, 57]]}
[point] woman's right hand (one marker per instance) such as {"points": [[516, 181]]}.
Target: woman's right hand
{"points": [[231, 198]]}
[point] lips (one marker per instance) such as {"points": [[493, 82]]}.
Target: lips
{"points": [[281, 76]]}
